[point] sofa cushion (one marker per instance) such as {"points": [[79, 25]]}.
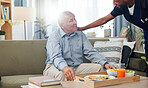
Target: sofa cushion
{"points": [[112, 50], [19, 57], [125, 54], [15, 81], [137, 64]]}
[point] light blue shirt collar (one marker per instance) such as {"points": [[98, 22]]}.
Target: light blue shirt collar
{"points": [[62, 33]]}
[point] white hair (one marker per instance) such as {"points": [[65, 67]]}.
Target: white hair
{"points": [[63, 16]]}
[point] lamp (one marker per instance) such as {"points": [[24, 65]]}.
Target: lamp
{"points": [[25, 14]]}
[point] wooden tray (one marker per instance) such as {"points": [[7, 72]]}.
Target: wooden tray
{"points": [[80, 78]]}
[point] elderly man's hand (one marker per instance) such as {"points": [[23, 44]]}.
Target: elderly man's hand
{"points": [[108, 66], [69, 73]]}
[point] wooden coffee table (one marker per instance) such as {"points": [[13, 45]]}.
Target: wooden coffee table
{"points": [[143, 83]]}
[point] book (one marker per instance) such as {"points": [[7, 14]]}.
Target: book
{"points": [[7, 12], [49, 86], [44, 81], [3, 12]]}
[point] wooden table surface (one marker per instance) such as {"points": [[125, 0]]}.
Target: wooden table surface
{"points": [[143, 83]]}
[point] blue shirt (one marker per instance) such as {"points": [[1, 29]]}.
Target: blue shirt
{"points": [[68, 50]]}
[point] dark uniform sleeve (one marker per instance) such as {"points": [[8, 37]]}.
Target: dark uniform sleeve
{"points": [[117, 11], [144, 4], [144, 12]]}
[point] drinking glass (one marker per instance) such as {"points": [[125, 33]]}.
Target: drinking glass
{"points": [[120, 70]]}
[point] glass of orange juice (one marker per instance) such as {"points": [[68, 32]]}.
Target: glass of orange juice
{"points": [[120, 70]]}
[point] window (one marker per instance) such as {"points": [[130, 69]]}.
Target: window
{"points": [[86, 11]]}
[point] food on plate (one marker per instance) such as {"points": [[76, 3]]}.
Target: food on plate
{"points": [[112, 69], [98, 77], [112, 72], [128, 71]]}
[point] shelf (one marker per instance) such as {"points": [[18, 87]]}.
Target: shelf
{"points": [[4, 20], [7, 27], [5, 2]]}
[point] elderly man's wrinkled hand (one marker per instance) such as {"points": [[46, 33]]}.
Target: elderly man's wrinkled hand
{"points": [[108, 66], [69, 73]]}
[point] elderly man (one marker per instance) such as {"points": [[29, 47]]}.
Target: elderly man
{"points": [[65, 49]]}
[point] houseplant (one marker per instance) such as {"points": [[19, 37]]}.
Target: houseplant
{"points": [[131, 33], [2, 33], [2, 22], [41, 27], [142, 39], [107, 31], [13, 22]]}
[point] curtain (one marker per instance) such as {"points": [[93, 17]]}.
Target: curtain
{"points": [[20, 3], [86, 11], [41, 19], [119, 22]]}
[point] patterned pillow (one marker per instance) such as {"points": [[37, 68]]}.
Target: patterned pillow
{"points": [[111, 50]]}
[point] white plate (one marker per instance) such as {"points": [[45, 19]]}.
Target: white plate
{"points": [[98, 76]]}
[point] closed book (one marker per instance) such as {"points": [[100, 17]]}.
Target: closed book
{"points": [[49, 86], [3, 12], [7, 10], [44, 81]]}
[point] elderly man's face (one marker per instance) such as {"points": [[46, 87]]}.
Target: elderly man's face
{"points": [[70, 24], [120, 3]]}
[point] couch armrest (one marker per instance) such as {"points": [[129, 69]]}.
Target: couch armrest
{"points": [[137, 54], [137, 64]]}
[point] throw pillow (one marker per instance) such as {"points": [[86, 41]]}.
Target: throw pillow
{"points": [[128, 48], [111, 50], [126, 52]]}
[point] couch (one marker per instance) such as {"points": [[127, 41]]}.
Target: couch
{"points": [[21, 59]]}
